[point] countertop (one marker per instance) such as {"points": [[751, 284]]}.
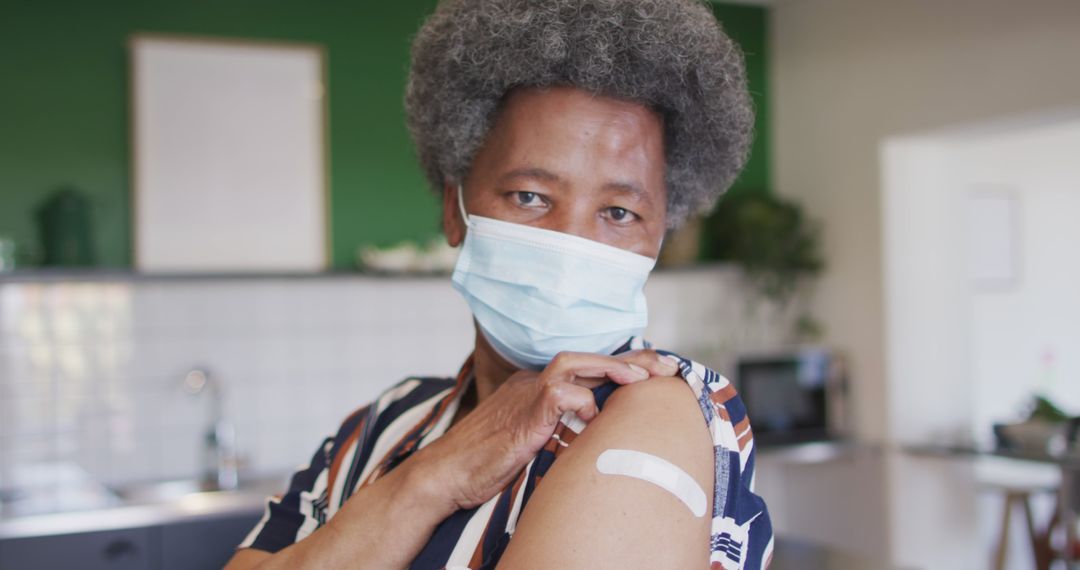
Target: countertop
{"points": [[149, 505]]}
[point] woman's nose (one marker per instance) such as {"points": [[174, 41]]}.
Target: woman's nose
{"points": [[571, 219]]}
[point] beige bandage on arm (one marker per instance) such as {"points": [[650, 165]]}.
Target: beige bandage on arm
{"points": [[657, 471]]}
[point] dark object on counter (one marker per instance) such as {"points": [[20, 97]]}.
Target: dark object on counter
{"points": [[1032, 436], [1047, 429], [1071, 432], [794, 396], [64, 226]]}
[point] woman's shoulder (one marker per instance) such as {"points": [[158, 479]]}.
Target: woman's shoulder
{"points": [[378, 414], [718, 402], [403, 396], [665, 417], [649, 524], [411, 392], [741, 527]]}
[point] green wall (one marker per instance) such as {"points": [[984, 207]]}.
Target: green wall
{"points": [[64, 106], [749, 26]]}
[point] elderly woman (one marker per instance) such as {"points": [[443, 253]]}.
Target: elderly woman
{"points": [[565, 137]]}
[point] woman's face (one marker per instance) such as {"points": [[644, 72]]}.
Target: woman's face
{"points": [[564, 160]]}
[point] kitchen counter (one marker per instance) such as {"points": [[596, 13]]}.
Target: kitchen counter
{"points": [[172, 525], [158, 527], [199, 506], [147, 505]]}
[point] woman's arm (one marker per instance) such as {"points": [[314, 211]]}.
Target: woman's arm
{"points": [[581, 518], [360, 534], [387, 523]]}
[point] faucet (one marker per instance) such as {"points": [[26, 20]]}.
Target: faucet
{"points": [[220, 458]]}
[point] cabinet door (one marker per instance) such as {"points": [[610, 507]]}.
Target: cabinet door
{"points": [[205, 543], [127, 549]]}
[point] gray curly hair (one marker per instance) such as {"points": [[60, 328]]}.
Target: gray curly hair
{"points": [[670, 55]]}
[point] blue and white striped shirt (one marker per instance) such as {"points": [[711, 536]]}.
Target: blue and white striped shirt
{"points": [[416, 411]]}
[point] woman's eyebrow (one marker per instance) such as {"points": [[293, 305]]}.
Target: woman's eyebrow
{"points": [[627, 187], [630, 187], [532, 172]]}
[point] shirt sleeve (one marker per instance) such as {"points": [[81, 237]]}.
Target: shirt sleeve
{"points": [[298, 509], [742, 530], [302, 509], [742, 533]]}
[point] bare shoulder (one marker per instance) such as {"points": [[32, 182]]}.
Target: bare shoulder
{"points": [[580, 516], [659, 414], [659, 394]]}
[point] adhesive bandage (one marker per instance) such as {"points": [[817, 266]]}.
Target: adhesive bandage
{"points": [[656, 471]]}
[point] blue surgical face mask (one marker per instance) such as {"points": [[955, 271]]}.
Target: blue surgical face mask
{"points": [[537, 292]]}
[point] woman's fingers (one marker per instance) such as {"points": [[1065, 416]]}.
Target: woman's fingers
{"points": [[656, 363], [561, 397], [572, 366], [566, 383], [590, 383], [591, 370]]}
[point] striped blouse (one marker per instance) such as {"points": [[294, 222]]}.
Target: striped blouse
{"points": [[415, 412]]}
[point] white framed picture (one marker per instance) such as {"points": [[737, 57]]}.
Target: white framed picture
{"points": [[228, 155]]}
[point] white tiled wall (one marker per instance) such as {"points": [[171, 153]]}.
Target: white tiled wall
{"points": [[91, 372]]}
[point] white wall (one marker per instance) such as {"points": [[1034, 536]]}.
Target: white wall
{"points": [[91, 372], [964, 350], [847, 75], [1025, 336]]}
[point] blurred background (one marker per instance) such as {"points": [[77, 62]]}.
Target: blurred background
{"points": [[215, 242]]}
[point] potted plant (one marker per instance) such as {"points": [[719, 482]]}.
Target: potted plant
{"points": [[774, 243]]}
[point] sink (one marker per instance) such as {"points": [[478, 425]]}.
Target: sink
{"points": [[159, 491], [140, 505], [169, 491]]}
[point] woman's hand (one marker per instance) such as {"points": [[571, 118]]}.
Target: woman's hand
{"points": [[486, 449]]}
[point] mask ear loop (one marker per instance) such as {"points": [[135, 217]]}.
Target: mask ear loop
{"points": [[461, 205]]}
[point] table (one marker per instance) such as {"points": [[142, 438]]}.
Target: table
{"points": [[791, 554], [1068, 463]]}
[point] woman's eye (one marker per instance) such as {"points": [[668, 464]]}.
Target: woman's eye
{"points": [[621, 214], [528, 198]]}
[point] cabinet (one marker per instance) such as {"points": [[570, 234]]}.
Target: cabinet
{"points": [[189, 545], [125, 549], [203, 544]]}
